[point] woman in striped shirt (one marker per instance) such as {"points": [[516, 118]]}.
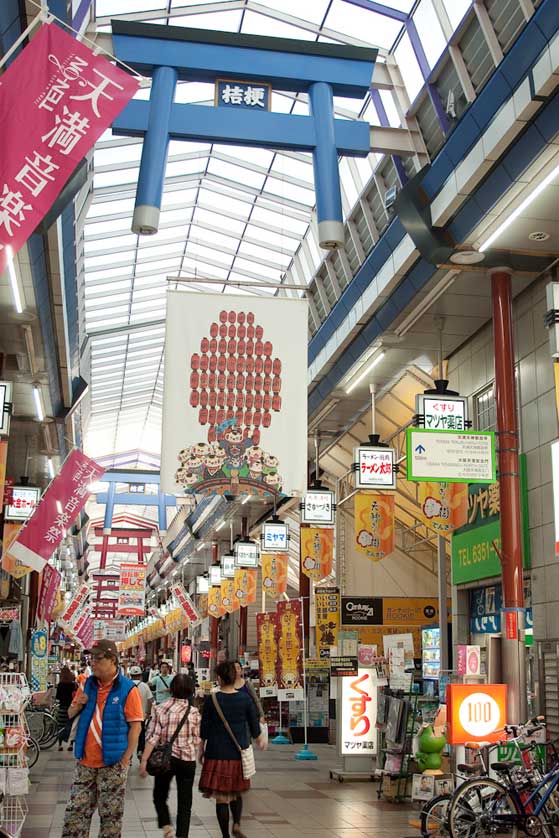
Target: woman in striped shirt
{"points": [[186, 748]]}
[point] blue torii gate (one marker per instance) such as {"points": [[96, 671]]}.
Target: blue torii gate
{"points": [[170, 53], [112, 498]]}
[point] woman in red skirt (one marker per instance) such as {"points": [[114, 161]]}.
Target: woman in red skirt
{"points": [[222, 772]]}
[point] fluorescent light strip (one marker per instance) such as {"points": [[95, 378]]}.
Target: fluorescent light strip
{"points": [[520, 208], [246, 500], [364, 374], [50, 468], [13, 281], [38, 404]]}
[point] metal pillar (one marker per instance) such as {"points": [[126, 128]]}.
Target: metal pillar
{"points": [[443, 604], [325, 167], [151, 177], [513, 650], [214, 622], [305, 596], [243, 611]]}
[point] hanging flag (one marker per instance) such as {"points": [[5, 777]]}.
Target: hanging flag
{"points": [[50, 583], [56, 511], [9, 563], [215, 606], [327, 605], [228, 599], [274, 574], [267, 630], [186, 604], [132, 593], [374, 525], [86, 633], [245, 585], [290, 645], [202, 604], [56, 99], [74, 609], [317, 552], [444, 506]]}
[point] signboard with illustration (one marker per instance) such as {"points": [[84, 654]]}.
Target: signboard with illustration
{"points": [[235, 379], [444, 506], [39, 661], [374, 525], [327, 606], [317, 551]]}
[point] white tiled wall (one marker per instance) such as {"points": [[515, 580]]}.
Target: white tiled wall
{"points": [[471, 369]]}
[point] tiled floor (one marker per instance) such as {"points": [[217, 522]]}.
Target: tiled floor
{"points": [[288, 799]]}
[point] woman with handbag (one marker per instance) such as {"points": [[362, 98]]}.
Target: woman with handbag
{"points": [[65, 692], [172, 745], [229, 719]]}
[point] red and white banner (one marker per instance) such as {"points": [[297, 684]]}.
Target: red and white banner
{"points": [[56, 511], [85, 633], [186, 604], [72, 612], [50, 583], [56, 99], [131, 597]]}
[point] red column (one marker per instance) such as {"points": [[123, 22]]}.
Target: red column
{"points": [[243, 611], [214, 621], [305, 592], [507, 429]]}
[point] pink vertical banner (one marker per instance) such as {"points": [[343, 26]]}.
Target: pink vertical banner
{"points": [[86, 633], [56, 511], [50, 583], [56, 99]]}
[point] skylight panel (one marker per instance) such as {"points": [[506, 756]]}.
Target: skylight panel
{"points": [[177, 168], [456, 9], [192, 93], [246, 177], [363, 24], [284, 189], [218, 219], [226, 202], [311, 10], [227, 21], [429, 31], [279, 219], [113, 8], [213, 239], [409, 68], [261, 252], [259, 24], [117, 154]]}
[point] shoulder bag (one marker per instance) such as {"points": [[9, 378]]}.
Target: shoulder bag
{"points": [[247, 754], [159, 761]]}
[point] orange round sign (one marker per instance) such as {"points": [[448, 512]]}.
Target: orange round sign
{"points": [[476, 712]]}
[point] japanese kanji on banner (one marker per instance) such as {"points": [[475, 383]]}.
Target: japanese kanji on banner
{"points": [[215, 606], [267, 630], [374, 525], [132, 593], [327, 606], [274, 574], [317, 552], [74, 609], [56, 511], [50, 583], [290, 645], [444, 506], [186, 604], [228, 599], [56, 99], [245, 585]]}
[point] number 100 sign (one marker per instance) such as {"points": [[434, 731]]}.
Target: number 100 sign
{"points": [[476, 712]]}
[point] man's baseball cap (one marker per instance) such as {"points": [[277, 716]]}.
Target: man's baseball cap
{"points": [[135, 670], [105, 647]]}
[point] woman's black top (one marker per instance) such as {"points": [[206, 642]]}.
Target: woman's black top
{"points": [[64, 693], [240, 711]]}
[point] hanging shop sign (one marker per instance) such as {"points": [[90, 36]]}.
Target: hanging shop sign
{"points": [[56, 511], [202, 584], [318, 507], [475, 712], [274, 574], [132, 592], [444, 506], [359, 714], [473, 545], [185, 601], [9, 563], [451, 456], [247, 554], [411, 611], [229, 601], [215, 574], [244, 370], [375, 468], [290, 651], [267, 630], [327, 609], [98, 629], [442, 413], [251, 95], [50, 583], [115, 630], [74, 609], [361, 611], [468, 660], [228, 567], [60, 98], [374, 525], [275, 537], [486, 605], [23, 503], [39, 661], [215, 606], [342, 666], [246, 581], [317, 552], [5, 407], [86, 633]]}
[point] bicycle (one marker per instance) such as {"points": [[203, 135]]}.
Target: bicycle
{"points": [[517, 804], [434, 817]]}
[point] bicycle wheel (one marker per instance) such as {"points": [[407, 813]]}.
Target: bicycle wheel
{"points": [[32, 752], [50, 734], [36, 724], [434, 817], [481, 808]]}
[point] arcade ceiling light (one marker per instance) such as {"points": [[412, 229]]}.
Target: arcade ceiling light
{"points": [[368, 369]]}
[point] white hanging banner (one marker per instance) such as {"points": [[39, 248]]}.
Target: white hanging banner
{"points": [[235, 395]]}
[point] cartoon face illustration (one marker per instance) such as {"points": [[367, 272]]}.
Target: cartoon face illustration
{"points": [[267, 582], [200, 450], [311, 564], [254, 454], [185, 454], [290, 679], [218, 452], [270, 463], [255, 469], [186, 478], [193, 463], [269, 679], [274, 481], [212, 463], [432, 507], [365, 539], [233, 435]]}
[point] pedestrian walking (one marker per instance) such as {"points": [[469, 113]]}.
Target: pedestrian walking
{"points": [[242, 685], [147, 702], [65, 692], [110, 720], [161, 683], [186, 748], [222, 772]]}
